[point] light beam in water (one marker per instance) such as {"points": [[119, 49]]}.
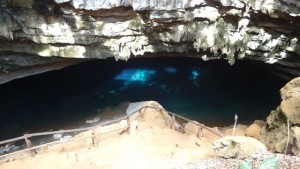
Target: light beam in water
{"points": [[135, 75], [195, 74]]}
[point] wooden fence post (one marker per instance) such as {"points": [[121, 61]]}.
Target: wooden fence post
{"points": [[29, 145], [129, 124], [93, 137], [200, 134], [173, 121]]}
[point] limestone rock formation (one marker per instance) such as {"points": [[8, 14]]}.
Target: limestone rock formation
{"points": [[253, 131], [275, 134], [209, 29], [237, 146], [239, 131], [290, 105]]}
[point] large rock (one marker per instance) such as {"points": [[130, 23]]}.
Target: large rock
{"points": [[296, 135], [290, 105], [275, 134], [219, 29], [253, 131], [239, 131], [237, 147], [291, 109], [192, 129]]}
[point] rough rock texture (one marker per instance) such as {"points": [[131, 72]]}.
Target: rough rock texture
{"points": [[239, 131], [237, 147], [275, 134], [290, 105], [207, 29], [253, 131], [13, 66]]}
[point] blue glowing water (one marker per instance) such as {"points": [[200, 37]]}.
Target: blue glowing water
{"points": [[135, 75], [210, 92]]}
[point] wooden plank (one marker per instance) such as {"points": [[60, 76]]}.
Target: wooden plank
{"points": [[173, 122], [129, 124], [93, 137], [29, 145], [199, 134], [12, 140]]}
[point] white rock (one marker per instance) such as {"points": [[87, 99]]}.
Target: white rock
{"points": [[96, 119], [207, 12], [57, 136]]}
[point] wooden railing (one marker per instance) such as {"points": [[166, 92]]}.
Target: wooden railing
{"points": [[32, 148]]}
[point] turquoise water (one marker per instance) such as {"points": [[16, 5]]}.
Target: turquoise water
{"points": [[210, 92]]}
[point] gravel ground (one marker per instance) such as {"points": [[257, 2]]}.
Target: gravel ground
{"points": [[285, 162]]}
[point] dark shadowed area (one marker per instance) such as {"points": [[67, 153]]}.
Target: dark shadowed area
{"points": [[210, 92]]}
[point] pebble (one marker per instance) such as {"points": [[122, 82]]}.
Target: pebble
{"points": [[285, 161]]}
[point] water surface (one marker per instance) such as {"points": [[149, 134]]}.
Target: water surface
{"points": [[210, 92]]}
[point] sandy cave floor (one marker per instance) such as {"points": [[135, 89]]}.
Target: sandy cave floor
{"points": [[153, 145]]}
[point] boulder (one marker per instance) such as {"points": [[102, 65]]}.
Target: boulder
{"points": [[237, 147], [260, 123], [280, 146], [291, 109], [274, 135], [296, 134], [290, 95], [253, 131], [291, 89], [239, 131], [204, 134], [191, 128]]}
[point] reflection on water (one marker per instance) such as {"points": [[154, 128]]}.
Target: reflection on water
{"points": [[135, 75], [210, 92]]}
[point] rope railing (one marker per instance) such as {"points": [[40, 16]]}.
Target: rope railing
{"points": [[186, 119], [59, 141], [32, 148], [61, 131]]}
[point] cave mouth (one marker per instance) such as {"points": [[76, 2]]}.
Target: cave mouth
{"points": [[210, 92]]}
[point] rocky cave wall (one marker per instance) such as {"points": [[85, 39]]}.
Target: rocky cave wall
{"points": [[42, 35], [265, 30]]}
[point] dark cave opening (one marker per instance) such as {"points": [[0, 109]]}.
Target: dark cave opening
{"points": [[210, 92]]}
